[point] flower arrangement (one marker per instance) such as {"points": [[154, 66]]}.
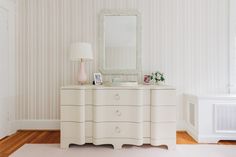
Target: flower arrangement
{"points": [[157, 77]]}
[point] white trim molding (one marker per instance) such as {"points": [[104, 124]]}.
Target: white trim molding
{"points": [[7, 67]]}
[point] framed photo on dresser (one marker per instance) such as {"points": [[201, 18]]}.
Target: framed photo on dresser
{"points": [[97, 78]]}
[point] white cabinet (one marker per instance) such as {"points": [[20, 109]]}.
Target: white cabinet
{"points": [[209, 119], [118, 115]]}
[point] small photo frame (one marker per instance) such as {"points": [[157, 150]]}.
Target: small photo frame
{"points": [[97, 78], [147, 79]]}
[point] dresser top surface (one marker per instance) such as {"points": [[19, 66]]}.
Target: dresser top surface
{"points": [[140, 86]]}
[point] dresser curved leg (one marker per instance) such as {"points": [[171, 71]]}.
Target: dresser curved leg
{"points": [[65, 145], [117, 146]]}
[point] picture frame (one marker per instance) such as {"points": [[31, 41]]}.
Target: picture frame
{"points": [[147, 79], [97, 78]]}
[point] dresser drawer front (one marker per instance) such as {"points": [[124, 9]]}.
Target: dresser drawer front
{"points": [[72, 97], [88, 129], [163, 130], [73, 130], [146, 129], [163, 97], [89, 96], [146, 113], [118, 114], [118, 97], [118, 130], [163, 113], [88, 113], [73, 113]]}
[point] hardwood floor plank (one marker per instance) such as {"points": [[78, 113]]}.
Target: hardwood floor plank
{"points": [[27, 139], [184, 138], [12, 141], [47, 137]]}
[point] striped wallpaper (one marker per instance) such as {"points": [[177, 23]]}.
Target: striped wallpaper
{"points": [[185, 39], [232, 45]]}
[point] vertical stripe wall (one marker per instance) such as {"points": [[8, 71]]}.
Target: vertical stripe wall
{"points": [[232, 45], [185, 39]]}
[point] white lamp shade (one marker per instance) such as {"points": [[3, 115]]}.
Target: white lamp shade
{"points": [[80, 51]]}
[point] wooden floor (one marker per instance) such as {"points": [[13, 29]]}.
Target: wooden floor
{"points": [[10, 144]]}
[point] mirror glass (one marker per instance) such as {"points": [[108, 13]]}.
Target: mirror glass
{"points": [[120, 42]]}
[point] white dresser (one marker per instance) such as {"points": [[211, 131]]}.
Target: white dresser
{"points": [[143, 114]]}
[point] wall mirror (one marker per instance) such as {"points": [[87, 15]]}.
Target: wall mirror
{"points": [[120, 42]]}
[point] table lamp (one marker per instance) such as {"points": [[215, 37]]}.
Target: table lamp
{"points": [[82, 52]]}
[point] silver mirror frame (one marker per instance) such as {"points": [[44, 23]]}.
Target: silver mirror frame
{"points": [[102, 42]]}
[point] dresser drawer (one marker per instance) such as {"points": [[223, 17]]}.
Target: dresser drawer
{"points": [[73, 130], [118, 130], [89, 113], [163, 97], [146, 113], [88, 96], [163, 113], [118, 114], [72, 97], [73, 113], [146, 129], [163, 130], [118, 97], [88, 129]]}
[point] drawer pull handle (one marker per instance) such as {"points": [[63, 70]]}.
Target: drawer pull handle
{"points": [[117, 96], [117, 129], [118, 113]]}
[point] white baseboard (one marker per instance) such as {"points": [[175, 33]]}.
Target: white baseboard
{"points": [[37, 124], [192, 132]]}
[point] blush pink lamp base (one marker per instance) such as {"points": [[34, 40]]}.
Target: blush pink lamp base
{"points": [[82, 77]]}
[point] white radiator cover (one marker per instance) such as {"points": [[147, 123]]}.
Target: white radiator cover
{"points": [[209, 119], [191, 114]]}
